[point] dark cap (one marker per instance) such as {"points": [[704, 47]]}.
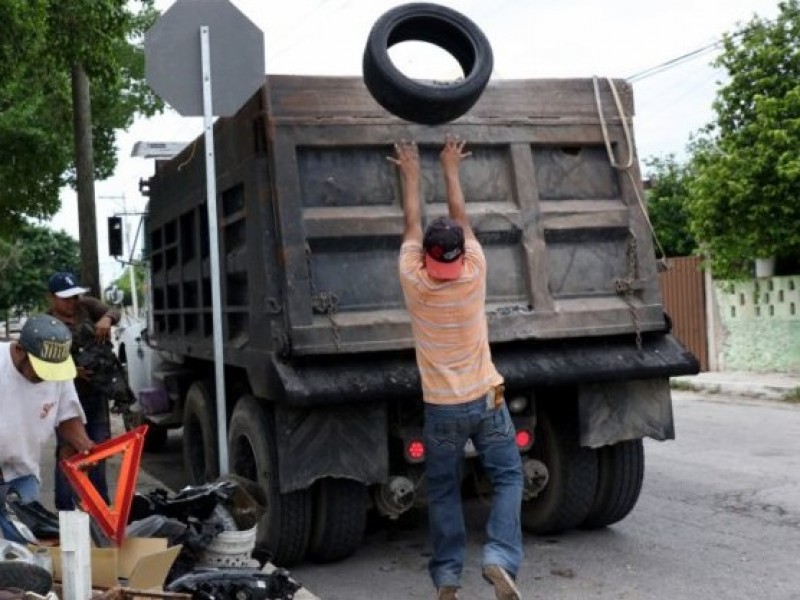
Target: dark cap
{"points": [[444, 248], [47, 342], [65, 285]]}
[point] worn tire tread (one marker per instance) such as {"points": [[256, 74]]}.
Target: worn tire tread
{"points": [[340, 519], [620, 477], [567, 499], [287, 528]]}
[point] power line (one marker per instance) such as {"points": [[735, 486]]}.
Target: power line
{"points": [[691, 55], [674, 62]]}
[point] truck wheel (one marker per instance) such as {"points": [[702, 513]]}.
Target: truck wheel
{"points": [[567, 498], [620, 471], [285, 528], [200, 455], [340, 518], [430, 103]]}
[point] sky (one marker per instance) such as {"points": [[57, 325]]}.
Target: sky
{"points": [[529, 39]]}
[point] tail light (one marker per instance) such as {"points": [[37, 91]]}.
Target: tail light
{"points": [[415, 451], [524, 440]]}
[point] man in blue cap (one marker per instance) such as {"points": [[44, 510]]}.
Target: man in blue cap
{"points": [[37, 395], [90, 322]]}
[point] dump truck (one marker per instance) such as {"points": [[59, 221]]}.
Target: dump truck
{"points": [[323, 396]]}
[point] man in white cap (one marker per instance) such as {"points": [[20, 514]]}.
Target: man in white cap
{"points": [[37, 395], [89, 321]]}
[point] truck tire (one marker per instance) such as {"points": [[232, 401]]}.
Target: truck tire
{"points": [[430, 103], [567, 498], [285, 528], [200, 454], [340, 518], [620, 472]]}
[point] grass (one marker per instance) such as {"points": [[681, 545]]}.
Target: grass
{"points": [[684, 386], [792, 397]]}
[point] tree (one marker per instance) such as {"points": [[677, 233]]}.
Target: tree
{"points": [[666, 204], [744, 195], [42, 41], [33, 255], [123, 283]]}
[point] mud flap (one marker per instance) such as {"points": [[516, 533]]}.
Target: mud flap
{"points": [[349, 441], [626, 410]]}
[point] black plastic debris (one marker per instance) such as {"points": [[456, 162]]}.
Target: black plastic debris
{"points": [[214, 523], [236, 584]]}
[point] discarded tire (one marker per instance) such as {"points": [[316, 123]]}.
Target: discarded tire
{"points": [[25, 576], [427, 102]]}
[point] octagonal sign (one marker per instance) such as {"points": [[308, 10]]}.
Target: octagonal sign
{"points": [[173, 65]]}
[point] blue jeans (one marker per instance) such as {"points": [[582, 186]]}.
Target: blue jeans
{"points": [[98, 428], [27, 487], [447, 428]]}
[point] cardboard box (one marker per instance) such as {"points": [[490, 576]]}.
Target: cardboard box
{"points": [[141, 563]]}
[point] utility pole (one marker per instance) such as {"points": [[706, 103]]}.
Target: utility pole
{"points": [[84, 171]]}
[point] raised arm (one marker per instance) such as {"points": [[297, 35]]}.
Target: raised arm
{"points": [[407, 160], [451, 156]]}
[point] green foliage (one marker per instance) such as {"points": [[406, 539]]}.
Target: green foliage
{"points": [[746, 185], [34, 254], [41, 41], [123, 282], [666, 205]]}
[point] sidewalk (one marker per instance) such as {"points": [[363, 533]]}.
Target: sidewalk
{"points": [[766, 386]]}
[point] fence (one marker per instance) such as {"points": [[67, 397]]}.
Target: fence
{"points": [[683, 289]]}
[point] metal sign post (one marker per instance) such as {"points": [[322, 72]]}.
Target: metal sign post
{"points": [[236, 57], [213, 243]]}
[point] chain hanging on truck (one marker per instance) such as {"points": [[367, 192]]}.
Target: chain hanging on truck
{"points": [[324, 302]]}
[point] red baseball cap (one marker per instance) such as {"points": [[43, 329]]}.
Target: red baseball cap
{"points": [[444, 249]]}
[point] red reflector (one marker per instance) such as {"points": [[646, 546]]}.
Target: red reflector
{"points": [[524, 438], [415, 450]]}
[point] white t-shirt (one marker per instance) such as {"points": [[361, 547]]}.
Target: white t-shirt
{"points": [[29, 412]]}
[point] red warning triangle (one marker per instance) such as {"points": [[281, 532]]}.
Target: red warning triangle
{"points": [[112, 519]]}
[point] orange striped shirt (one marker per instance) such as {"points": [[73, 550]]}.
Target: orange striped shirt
{"points": [[448, 319]]}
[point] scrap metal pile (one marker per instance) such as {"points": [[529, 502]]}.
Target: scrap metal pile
{"points": [[215, 524]]}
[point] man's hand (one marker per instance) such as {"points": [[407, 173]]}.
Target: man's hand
{"points": [[450, 157], [452, 154], [407, 160], [84, 373], [73, 432], [102, 329]]}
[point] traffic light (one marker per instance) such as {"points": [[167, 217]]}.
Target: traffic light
{"points": [[115, 236]]}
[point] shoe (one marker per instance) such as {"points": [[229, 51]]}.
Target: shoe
{"points": [[504, 586], [448, 592]]}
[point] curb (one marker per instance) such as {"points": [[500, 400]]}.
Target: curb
{"points": [[762, 391]]}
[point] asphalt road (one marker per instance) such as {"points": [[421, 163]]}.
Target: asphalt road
{"points": [[718, 518]]}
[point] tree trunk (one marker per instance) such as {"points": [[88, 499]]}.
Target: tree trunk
{"points": [[84, 172]]}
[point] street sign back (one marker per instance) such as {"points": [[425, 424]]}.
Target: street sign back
{"points": [[173, 64]]}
